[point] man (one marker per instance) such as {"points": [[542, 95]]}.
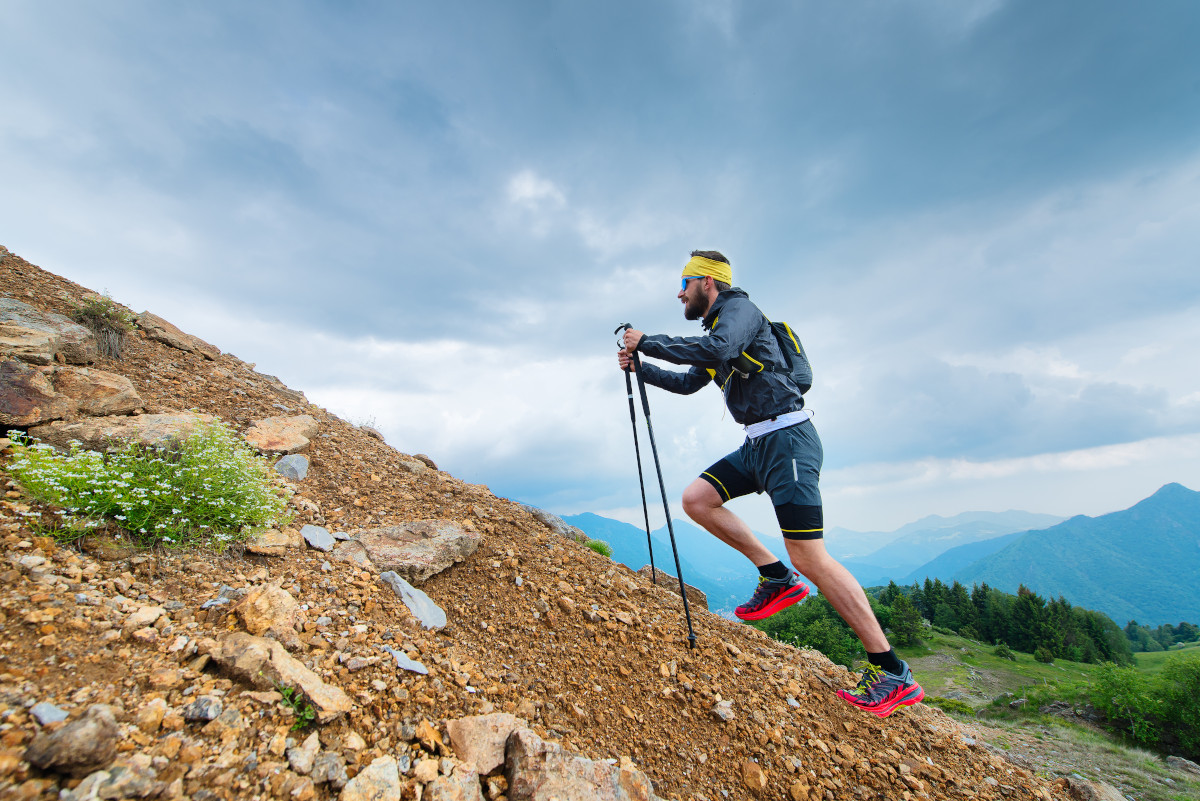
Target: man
{"points": [[781, 455]]}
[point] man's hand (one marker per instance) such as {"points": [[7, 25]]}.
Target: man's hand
{"points": [[625, 360], [633, 338]]}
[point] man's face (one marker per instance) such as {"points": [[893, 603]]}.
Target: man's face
{"points": [[693, 297]]}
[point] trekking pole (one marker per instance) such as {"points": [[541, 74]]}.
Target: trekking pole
{"points": [[637, 368], [638, 451]]}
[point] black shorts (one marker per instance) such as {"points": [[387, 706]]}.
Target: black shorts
{"points": [[786, 464]]}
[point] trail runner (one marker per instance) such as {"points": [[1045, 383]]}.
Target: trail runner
{"points": [[781, 455]]}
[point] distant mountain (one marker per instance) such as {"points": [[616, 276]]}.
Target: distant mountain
{"points": [[945, 566], [914, 544], [1138, 564]]}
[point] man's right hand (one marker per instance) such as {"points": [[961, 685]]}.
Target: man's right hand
{"points": [[625, 360]]}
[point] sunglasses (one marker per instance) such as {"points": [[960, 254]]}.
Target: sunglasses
{"points": [[683, 284]]}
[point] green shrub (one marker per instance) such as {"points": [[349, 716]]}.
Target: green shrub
{"points": [[951, 705], [107, 321], [1043, 655], [1161, 711], [210, 489], [1004, 652], [968, 633], [600, 546]]}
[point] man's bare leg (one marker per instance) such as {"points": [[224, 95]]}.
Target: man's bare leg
{"points": [[841, 589], [703, 504]]}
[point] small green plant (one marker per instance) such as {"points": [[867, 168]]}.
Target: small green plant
{"points": [[1044, 655], [210, 489], [600, 546], [294, 698], [107, 321]]}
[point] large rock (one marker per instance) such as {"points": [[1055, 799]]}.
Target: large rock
{"points": [[379, 781], [1186, 765], [95, 392], [282, 434], [76, 344], [27, 397], [479, 740], [556, 524], [540, 771], [274, 542], [271, 611], [160, 330], [26, 344], [668, 582], [78, 748], [101, 432], [419, 549], [266, 664], [1084, 790]]}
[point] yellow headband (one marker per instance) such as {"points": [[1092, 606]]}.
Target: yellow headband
{"points": [[718, 270]]}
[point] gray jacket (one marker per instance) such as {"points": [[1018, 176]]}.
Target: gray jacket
{"points": [[734, 327]]}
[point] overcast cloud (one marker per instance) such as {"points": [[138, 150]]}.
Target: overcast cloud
{"points": [[983, 218]]}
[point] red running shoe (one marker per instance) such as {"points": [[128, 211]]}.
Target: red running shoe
{"points": [[882, 693], [771, 596]]}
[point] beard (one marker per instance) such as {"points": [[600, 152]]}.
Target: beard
{"points": [[695, 307]]}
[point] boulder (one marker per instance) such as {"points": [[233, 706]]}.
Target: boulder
{"points": [[479, 740], [76, 344], [79, 747], [95, 392], [670, 583], [160, 330], [539, 771], [1186, 765], [421, 605], [1084, 790], [266, 664], [271, 611], [27, 397], [282, 434], [99, 433], [420, 549]]}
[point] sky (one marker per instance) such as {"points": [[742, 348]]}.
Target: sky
{"points": [[982, 218]]}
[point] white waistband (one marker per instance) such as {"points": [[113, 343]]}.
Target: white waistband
{"points": [[775, 423]]}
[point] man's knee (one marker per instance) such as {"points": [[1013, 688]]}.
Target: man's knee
{"points": [[700, 497]]}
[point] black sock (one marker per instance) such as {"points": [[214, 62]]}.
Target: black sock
{"points": [[887, 660], [776, 571]]}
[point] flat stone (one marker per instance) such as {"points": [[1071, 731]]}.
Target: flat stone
{"points": [[45, 712], [421, 605], [352, 552], [274, 542], [378, 781], [556, 524], [318, 538], [99, 433], [266, 664], [282, 434], [160, 330], [75, 342], [271, 611], [419, 549], [294, 467], [27, 397], [402, 661]]}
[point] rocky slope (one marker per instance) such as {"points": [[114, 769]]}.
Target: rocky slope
{"points": [[590, 655]]}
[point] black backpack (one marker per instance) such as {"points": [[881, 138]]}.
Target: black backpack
{"points": [[796, 365]]}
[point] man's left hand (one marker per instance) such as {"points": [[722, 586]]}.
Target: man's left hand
{"points": [[633, 338]]}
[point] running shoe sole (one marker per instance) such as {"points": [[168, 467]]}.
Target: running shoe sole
{"points": [[903, 696], [782, 601]]}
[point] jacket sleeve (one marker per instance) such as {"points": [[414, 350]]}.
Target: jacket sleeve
{"points": [[679, 383], [731, 334]]}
